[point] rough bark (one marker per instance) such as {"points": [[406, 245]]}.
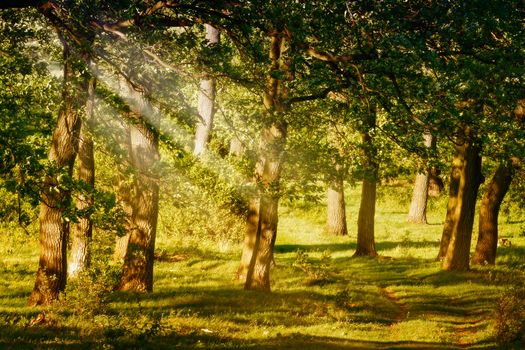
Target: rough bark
{"points": [[250, 238], [366, 218], [486, 246], [124, 191], [435, 183], [268, 169], [459, 222], [52, 267], [418, 206], [455, 176], [137, 274], [335, 208], [206, 101], [82, 231]]}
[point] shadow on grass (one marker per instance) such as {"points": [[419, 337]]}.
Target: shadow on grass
{"points": [[335, 247], [351, 246]]}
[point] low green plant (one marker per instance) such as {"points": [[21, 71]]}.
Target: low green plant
{"points": [[317, 272], [510, 316], [87, 295]]}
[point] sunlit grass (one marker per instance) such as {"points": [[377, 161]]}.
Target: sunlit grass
{"points": [[401, 299]]}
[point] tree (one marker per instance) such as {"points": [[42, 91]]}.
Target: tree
{"points": [[488, 215], [465, 180], [56, 196], [366, 218], [83, 229], [137, 274], [206, 100], [335, 208], [418, 206], [268, 168]]}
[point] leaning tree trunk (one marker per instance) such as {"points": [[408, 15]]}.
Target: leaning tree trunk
{"points": [[418, 207], [137, 274], [335, 208], [488, 215], [82, 231], [467, 162], [206, 101], [268, 170], [367, 208], [52, 267]]}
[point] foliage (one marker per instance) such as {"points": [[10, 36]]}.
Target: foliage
{"points": [[318, 272], [510, 316]]}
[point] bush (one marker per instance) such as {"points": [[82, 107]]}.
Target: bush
{"points": [[510, 316], [318, 272]]}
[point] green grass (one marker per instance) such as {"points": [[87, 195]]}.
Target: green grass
{"points": [[401, 299]]}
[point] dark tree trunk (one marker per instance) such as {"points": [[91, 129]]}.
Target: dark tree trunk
{"points": [[367, 208], [137, 274], [268, 171], [488, 215], [418, 207], [52, 267], [206, 101], [335, 208], [250, 238], [467, 163], [455, 176], [82, 231], [435, 184]]}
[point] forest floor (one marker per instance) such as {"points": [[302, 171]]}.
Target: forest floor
{"points": [[322, 297]]}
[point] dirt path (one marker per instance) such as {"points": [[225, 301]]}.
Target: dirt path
{"points": [[402, 312]]}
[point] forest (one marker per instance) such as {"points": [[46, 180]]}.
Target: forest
{"points": [[243, 174]]}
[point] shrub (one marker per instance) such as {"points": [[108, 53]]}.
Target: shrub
{"points": [[510, 316]]}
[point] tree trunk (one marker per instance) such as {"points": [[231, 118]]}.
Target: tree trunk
{"points": [[52, 266], [367, 208], [488, 215], [455, 176], [268, 169], [206, 101], [236, 147], [418, 206], [82, 231], [435, 184], [124, 190], [137, 274], [467, 163], [335, 208], [250, 239]]}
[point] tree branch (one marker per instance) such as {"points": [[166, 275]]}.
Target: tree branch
{"points": [[328, 57]]}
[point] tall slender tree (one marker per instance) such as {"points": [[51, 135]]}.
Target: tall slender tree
{"points": [[264, 210], [83, 229], [367, 208], [137, 274], [418, 206], [206, 100], [56, 196]]}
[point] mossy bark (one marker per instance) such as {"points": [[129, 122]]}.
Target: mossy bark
{"points": [[487, 243], [460, 216], [55, 198]]}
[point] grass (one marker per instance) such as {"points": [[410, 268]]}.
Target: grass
{"points": [[401, 299]]}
